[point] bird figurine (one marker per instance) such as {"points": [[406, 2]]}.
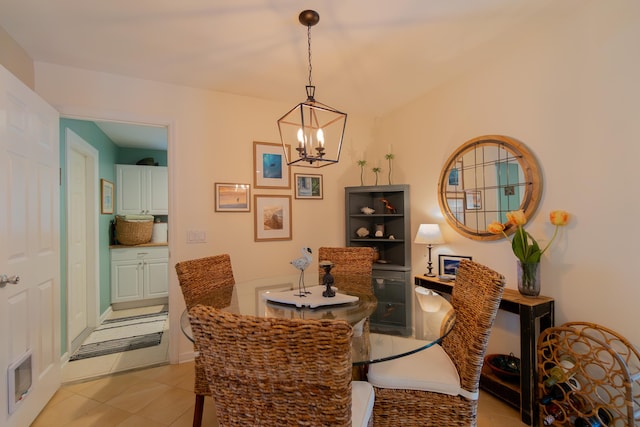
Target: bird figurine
{"points": [[388, 206], [301, 264]]}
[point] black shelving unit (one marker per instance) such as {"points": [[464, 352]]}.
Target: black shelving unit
{"points": [[392, 272]]}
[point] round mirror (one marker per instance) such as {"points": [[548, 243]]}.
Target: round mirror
{"points": [[484, 179]]}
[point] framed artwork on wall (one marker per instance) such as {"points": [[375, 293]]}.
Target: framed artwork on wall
{"points": [[106, 196], [270, 166], [233, 197], [272, 217], [308, 186]]}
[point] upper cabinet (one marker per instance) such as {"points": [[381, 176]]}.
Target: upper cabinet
{"points": [[142, 190]]}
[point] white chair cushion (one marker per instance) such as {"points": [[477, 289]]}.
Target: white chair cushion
{"points": [[427, 370], [362, 398]]}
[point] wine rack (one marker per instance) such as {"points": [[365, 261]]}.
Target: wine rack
{"points": [[605, 382]]}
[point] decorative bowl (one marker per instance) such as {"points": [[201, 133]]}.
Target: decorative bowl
{"points": [[504, 366]]}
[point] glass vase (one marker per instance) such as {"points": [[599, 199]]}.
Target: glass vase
{"points": [[529, 278]]}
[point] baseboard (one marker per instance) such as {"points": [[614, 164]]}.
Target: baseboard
{"points": [[139, 303]]}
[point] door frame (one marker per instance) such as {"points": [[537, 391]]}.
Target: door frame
{"points": [[175, 295], [77, 143]]}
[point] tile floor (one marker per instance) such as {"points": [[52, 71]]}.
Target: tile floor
{"points": [[163, 396], [138, 388]]}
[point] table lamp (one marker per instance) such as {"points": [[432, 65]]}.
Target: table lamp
{"points": [[429, 234]]}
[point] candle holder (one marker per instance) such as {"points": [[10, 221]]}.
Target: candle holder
{"points": [[327, 279]]}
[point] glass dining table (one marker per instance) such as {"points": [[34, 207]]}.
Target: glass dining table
{"points": [[358, 300]]}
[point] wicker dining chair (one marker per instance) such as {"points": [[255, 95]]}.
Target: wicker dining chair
{"points": [[277, 371], [355, 262], [439, 386], [197, 278]]}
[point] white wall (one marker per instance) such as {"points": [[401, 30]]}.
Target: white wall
{"points": [[211, 140], [569, 91]]}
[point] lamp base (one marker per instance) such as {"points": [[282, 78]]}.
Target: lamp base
{"points": [[430, 265]]}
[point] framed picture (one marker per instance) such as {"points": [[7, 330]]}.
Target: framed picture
{"points": [[233, 197], [455, 201], [473, 200], [455, 181], [106, 196], [270, 166], [272, 215], [308, 186], [448, 264]]}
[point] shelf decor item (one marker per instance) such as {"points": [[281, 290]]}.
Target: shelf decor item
{"points": [[526, 248], [376, 171], [389, 157], [362, 164]]}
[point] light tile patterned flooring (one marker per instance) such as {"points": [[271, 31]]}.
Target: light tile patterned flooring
{"points": [[114, 391], [163, 396]]}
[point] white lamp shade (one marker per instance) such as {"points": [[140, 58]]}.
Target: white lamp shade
{"points": [[429, 234]]}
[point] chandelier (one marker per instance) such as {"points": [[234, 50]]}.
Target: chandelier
{"points": [[314, 129]]}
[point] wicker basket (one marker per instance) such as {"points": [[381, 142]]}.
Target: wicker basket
{"points": [[133, 232]]}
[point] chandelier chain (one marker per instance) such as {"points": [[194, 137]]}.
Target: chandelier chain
{"points": [[309, 50]]}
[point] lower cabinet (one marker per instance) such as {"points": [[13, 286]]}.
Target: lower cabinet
{"points": [[139, 273], [394, 292]]}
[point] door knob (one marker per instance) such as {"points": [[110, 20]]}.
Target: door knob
{"points": [[4, 279]]}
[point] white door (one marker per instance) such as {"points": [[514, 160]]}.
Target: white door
{"points": [[30, 249], [82, 238]]}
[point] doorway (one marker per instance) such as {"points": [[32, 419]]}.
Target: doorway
{"points": [[87, 229]]}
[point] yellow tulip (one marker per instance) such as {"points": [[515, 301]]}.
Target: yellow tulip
{"points": [[517, 218], [559, 218], [495, 227]]}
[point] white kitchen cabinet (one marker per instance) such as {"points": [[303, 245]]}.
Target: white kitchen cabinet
{"points": [[139, 273], [142, 190]]}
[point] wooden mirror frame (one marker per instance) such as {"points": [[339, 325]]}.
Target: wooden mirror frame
{"points": [[473, 198]]}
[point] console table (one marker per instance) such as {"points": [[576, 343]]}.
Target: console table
{"points": [[530, 310]]}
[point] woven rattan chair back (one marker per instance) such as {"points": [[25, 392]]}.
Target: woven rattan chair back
{"points": [[198, 277], [275, 372], [475, 297], [353, 263]]}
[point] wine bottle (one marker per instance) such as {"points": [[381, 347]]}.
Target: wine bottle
{"points": [[561, 372], [553, 413], [603, 418], [557, 392]]}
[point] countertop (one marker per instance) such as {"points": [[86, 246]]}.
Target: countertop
{"points": [[144, 245]]}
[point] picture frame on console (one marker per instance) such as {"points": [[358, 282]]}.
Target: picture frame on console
{"points": [[448, 265]]}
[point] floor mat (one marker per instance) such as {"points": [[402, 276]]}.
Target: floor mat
{"points": [[124, 334]]}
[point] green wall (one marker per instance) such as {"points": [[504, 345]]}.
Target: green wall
{"points": [[109, 155]]}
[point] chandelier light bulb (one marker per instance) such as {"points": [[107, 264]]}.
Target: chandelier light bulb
{"points": [[320, 137]]}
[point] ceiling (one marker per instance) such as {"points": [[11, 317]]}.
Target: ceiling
{"points": [[368, 57]]}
